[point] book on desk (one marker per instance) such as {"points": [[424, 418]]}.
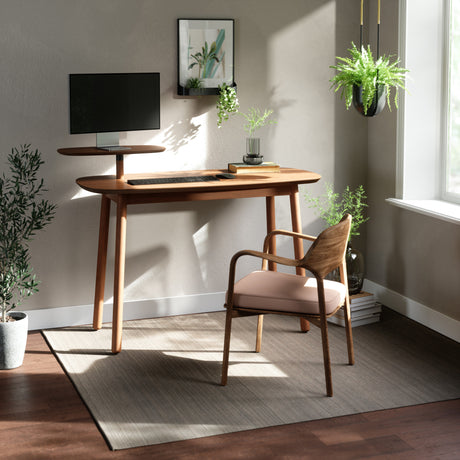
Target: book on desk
{"points": [[243, 168]]}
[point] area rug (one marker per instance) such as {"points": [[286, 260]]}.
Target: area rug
{"points": [[164, 385]]}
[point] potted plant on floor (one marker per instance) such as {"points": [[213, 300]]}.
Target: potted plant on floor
{"points": [[228, 105], [367, 83], [331, 207], [22, 213]]}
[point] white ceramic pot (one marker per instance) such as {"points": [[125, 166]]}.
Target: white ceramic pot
{"points": [[13, 339]]}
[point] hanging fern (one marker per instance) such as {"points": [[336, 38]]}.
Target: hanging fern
{"points": [[362, 70]]}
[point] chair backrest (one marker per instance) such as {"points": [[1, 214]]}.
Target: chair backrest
{"points": [[328, 250]]}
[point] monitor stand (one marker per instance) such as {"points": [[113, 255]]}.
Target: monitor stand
{"points": [[109, 142]]}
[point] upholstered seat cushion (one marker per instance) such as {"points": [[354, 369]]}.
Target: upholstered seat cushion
{"points": [[268, 290]]}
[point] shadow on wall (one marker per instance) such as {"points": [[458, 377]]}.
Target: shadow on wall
{"points": [[179, 134]]}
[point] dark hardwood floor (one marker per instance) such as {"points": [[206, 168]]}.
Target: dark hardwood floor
{"points": [[42, 417]]}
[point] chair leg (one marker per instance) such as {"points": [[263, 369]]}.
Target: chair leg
{"points": [[304, 325], [260, 325], [326, 356], [351, 356], [228, 330]]}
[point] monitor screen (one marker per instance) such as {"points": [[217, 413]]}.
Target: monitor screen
{"points": [[113, 102]]}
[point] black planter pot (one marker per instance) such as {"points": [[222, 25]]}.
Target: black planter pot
{"points": [[378, 104]]}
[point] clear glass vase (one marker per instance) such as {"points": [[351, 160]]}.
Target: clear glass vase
{"points": [[355, 269], [253, 156]]}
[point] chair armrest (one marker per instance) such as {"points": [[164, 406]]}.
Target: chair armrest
{"points": [[285, 233]]}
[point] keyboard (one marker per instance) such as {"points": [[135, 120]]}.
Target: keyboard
{"points": [[171, 180]]}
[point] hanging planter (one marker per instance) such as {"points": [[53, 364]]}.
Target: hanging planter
{"points": [[366, 82], [377, 103]]}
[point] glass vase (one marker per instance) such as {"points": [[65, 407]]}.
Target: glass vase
{"points": [[253, 156], [355, 269]]}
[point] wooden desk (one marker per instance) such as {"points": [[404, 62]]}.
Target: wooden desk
{"points": [[111, 188]]}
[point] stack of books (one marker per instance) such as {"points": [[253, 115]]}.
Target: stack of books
{"points": [[363, 310], [243, 168]]}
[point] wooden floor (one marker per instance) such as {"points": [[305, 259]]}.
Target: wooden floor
{"points": [[42, 417]]}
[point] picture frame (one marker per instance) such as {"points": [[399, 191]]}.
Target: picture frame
{"points": [[205, 55]]}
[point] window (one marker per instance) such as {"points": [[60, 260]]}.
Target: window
{"points": [[451, 179], [428, 144]]}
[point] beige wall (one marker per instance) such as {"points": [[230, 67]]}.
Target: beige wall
{"points": [[412, 254], [283, 52]]}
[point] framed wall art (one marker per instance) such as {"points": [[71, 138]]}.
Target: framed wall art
{"points": [[205, 55]]}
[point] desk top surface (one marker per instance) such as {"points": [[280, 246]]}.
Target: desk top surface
{"points": [[112, 185]]}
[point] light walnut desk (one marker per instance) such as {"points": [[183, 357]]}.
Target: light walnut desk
{"points": [[116, 189]]}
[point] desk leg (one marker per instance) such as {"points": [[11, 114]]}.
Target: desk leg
{"points": [[271, 225], [119, 274], [298, 244], [101, 263]]}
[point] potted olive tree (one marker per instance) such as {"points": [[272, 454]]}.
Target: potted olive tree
{"points": [[331, 207], [367, 83], [228, 105], [22, 213]]}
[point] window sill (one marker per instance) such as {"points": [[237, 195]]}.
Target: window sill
{"points": [[442, 210]]}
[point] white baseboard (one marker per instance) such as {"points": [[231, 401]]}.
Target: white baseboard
{"points": [[168, 306], [201, 303], [439, 322]]}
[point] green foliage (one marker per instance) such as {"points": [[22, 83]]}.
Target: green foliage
{"points": [[362, 70], [227, 103], [256, 119], [208, 55], [22, 213], [332, 206], [194, 83]]}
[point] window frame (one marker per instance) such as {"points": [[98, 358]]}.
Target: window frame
{"points": [[445, 141], [421, 118]]}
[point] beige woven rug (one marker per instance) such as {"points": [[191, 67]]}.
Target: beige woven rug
{"points": [[164, 385]]}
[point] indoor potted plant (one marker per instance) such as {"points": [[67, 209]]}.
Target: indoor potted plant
{"points": [[22, 213], [331, 207], [195, 86], [227, 105], [366, 82]]}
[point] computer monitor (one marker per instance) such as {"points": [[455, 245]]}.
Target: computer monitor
{"points": [[107, 103]]}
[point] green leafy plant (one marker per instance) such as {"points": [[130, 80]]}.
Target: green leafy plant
{"points": [[255, 119], [194, 83], [228, 104], [22, 213], [362, 70], [204, 58], [332, 206]]}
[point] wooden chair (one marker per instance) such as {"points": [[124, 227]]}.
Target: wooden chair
{"points": [[312, 298]]}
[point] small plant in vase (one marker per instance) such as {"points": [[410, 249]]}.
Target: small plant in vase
{"points": [[228, 105], [331, 207], [22, 213], [255, 119]]}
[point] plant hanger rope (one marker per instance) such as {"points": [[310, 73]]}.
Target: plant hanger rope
{"points": [[362, 26]]}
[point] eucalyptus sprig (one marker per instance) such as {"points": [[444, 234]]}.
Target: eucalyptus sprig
{"points": [[332, 206], [362, 70], [256, 119]]}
